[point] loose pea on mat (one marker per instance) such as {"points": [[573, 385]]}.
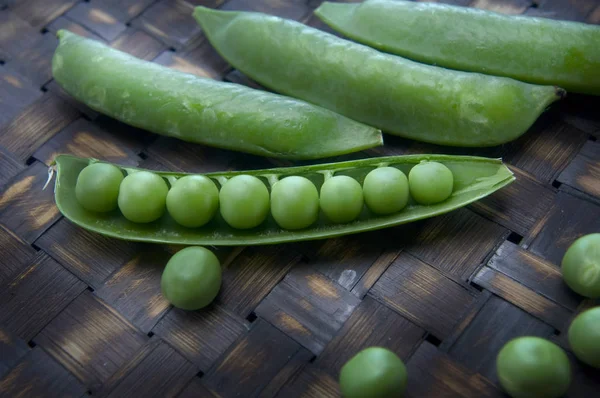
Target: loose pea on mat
{"points": [[584, 337], [536, 50], [580, 266], [244, 200], [143, 196], [202, 110], [374, 372], [97, 187], [533, 367], [294, 202], [399, 96], [192, 278]]}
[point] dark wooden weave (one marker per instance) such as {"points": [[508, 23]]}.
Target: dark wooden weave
{"points": [[81, 314]]}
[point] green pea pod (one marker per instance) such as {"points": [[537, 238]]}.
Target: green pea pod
{"points": [[202, 110], [400, 96], [534, 50], [474, 178]]}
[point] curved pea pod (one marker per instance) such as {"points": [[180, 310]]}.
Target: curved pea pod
{"points": [[202, 110], [535, 50], [400, 96], [474, 178]]}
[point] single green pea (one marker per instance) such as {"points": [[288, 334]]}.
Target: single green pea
{"points": [[244, 201], [430, 182], [374, 372], [341, 199], [192, 278], [143, 196], [386, 190], [533, 367], [193, 200], [581, 266], [294, 202], [584, 337], [97, 187]]}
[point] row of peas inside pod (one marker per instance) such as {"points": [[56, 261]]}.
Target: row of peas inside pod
{"points": [[244, 201]]}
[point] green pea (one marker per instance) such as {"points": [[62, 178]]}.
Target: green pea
{"points": [[97, 187], [430, 182], [294, 202], [386, 190], [192, 278], [581, 266], [532, 49], [374, 372], [193, 200], [533, 367], [143, 196], [244, 201], [341, 199], [584, 337]]}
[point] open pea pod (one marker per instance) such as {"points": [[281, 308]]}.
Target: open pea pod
{"points": [[474, 178]]}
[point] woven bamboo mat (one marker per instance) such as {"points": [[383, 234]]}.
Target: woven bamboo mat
{"points": [[82, 315]]}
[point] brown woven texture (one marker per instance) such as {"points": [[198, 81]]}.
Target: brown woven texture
{"points": [[82, 314]]}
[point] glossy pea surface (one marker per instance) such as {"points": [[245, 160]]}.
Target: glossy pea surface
{"points": [[533, 367], [341, 199], [532, 49], [193, 200], [430, 182], [584, 337], [395, 94], [294, 202], [143, 196], [192, 278], [244, 201], [386, 190], [374, 372], [202, 110], [581, 266], [97, 187]]}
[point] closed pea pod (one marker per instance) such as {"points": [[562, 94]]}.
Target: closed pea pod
{"points": [[531, 49], [397, 95], [474, 178], [202, 110]]}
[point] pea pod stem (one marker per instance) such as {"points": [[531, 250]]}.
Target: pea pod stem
{"points": [[474, 177], [399, 96], [202, 110], [530, 49]]}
